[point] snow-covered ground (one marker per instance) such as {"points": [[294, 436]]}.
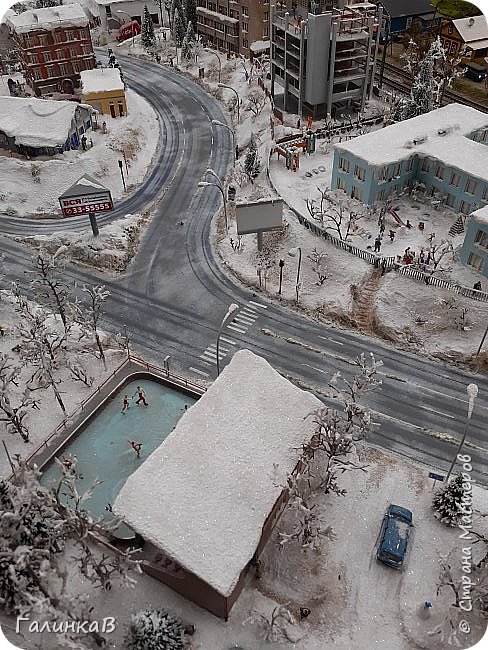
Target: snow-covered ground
{"points": [[21, 195]]}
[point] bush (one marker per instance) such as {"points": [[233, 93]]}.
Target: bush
{"points": [[154, 629]]}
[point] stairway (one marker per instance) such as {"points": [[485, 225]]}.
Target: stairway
{"points": [[363, 310], [457, 227]]}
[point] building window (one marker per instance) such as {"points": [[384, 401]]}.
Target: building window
{"points": [[359, 172], [108, 11], [60, 54], [245, 11], [380, 196], [73, 52], [51, 71], [425, 165], [471, 186], [42, 39], [245, 26], [266, 31], [410, 164], [58, 37], [397, 169], [245, 42], [344, 164], [36, 74], [455, 178], [485, 193], [356, 193], [475, 261], [439, 172], [69, 36], [32, 58], [65, 68], [481, 239], [383, 175], [450, 200], [341, 184], [465, 207], [47, 56]]}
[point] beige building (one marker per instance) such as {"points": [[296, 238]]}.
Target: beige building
{"points": [[233, 25], [103, 89]]}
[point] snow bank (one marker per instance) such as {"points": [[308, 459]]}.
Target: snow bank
{"points": [[216, 477]]}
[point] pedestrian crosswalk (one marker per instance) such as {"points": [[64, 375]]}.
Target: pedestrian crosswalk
{"points": [[239, 325]]}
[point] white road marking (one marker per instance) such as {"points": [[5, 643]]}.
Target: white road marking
{"points": [[328, 338], [210, 355], [236, 329], [249, 312], [426, 408], [244, 319], [230, 341], [199, 372], [325, 372], [258, 305]]}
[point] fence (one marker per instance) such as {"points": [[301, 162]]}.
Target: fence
{"points": [[176, 379], [386, 263]]}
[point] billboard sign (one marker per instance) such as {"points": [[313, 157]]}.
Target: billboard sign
{"points": [[86, 196], [260, 216]]}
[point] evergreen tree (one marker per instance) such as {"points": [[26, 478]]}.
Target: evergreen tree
{"points": [[426, 86], [448, 502], [154, 629], [188, 42], [251, 162], [190, 7], [148, 38], [179, 28]]}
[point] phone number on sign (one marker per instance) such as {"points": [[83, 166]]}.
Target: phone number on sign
{"points": [[85, 209]]}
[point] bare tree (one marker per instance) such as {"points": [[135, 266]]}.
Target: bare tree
{"points": [[256, 101], [440, 250], [337, 211], [275, 626], [52, 291], [317, 258], [96, 297], [14, 415]]}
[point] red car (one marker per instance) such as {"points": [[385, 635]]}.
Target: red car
{"points": [[128, 30]]}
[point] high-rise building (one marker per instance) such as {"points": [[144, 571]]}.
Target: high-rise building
{"points": [[54, 46], [323, 57]]}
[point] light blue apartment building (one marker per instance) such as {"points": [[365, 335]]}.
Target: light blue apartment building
{"points": [[474, 251], [445, 149]]}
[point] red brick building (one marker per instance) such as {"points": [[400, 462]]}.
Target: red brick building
{"points": [[231, 26], [54, 45]]}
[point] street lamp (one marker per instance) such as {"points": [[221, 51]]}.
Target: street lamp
{"points": [[236, 94], [484, 337], [207, 49], [226, 126], [119, 11], [218, 184], [230, 315], [472, 391], [292, 253]]}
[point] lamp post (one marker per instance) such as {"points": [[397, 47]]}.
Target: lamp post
{"points": [[292, 253], [119, 11], [236, 94], [482, 341], [207, 49], [230, 315], [218, 184], [225, 126], [472, 391]]}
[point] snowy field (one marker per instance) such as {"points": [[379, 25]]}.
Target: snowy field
{"points": [[136, 133]]}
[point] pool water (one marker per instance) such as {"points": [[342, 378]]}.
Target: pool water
{"points": [[103, 447]]}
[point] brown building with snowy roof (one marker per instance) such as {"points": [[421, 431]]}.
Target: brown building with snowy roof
{"points": [[231, 26], [54, 46]]}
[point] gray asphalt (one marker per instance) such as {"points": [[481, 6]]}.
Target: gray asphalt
{"points": [[174, 295]]}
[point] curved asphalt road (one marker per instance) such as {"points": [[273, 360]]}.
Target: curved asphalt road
{"points": [[175, 294]]}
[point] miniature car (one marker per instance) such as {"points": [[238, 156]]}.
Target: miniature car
{"points": [[394, 536]]}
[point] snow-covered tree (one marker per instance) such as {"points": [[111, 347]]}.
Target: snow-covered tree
{"points": [[337, 211], [256, 101], [448, 502], [154, 629], [179, 29], [35, 528], [13, 407], [188, 42], [190, 7], [318, 261], [252, 163], [426, 88], [96, 297], [51, 290], [148, 39]]}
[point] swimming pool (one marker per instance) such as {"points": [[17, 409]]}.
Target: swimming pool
{"points": [[103, 447]]}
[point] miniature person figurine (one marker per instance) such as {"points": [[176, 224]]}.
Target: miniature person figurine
{"points": [[136, 446]]}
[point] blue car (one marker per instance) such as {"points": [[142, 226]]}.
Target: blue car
{"points": [[394, 536]]}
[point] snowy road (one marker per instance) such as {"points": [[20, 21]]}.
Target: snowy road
{"points": [[175, 294]]}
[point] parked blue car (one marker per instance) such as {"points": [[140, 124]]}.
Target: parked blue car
{"points": [[394, 536]]}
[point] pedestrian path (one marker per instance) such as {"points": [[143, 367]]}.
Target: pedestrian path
{"points": [[238, 326]]}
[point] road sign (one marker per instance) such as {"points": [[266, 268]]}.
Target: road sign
{"points": [[86, 196], [436, 477]]}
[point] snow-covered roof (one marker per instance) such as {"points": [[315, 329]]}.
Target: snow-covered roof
{"points": [[481, 215], [440, 134], [259, 46], [100, 80], [71, 15], [472, 29], [216, 16], [37, 122], [203, 496]]}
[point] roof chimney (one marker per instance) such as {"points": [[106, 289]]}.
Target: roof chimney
{"points": [[470, 22]]}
